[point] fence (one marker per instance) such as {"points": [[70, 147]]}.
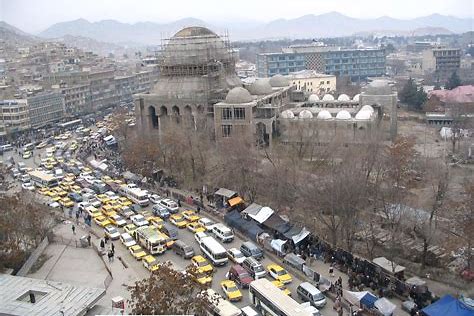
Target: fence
{"points": [[33, 258]]}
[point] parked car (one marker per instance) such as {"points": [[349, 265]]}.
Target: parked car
{"points": [[182, 249], [155, 198], [309, 293], [170, 231], [235, 255], [161, 211], [112, 232], [249, 249], [241, 276], [222, 232], [254, 268], [171, 205], [127, 240], [206, 222], [139, 220], [76, 197]]}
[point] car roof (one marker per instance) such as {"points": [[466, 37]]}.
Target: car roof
{"points": [[125, 235]]}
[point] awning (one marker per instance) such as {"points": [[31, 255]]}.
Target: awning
{"points": [[385, 306], [301, 236], [354, 297], [295, 230], [388, 265], [225, 193], [277, 223], [253, 209], [277, 244], [235, 201], [262, 215], [448, 306], [415, 281]]}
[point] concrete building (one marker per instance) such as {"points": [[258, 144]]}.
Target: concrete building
{"points": [[45, 108], [102, 87], [355, 63], [77, 98], [14, 115], [310, 82], [441, 61]]}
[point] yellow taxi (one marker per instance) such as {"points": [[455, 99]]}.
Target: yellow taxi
{"points": [[200, 277], [60, 159], [282, 287], [231, 290], [48, 166], [124, 201], [178, 220], [130, 229], [103, 198], [117, 220], [62, 193], [190, 216], [137, 252], [201, 264], [51, 193], [106, 178], [156, 221], [43, 191], [56, 198], [66, 202], [195, 227], [75, 188], [150, 263], [278, 273], [95, 213], [114, 204]]}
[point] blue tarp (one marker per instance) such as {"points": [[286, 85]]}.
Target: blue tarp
{"points": [[448, 306], [368, 300], [249, 228]]}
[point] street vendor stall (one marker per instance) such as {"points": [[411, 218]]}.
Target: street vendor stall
{"points": [[294, 261], [390, 267]]}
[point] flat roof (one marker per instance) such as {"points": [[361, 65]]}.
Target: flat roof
{"points": [[52, 298]]}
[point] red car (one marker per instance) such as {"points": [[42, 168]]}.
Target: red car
{"points": [[239, 275]]}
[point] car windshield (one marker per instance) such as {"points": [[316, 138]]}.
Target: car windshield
{"points": [[258, 268], [136, 250], [179, 219], [202, 264], [281, 272], [228, 234], [232, 288], [318, 297], [128, 239], [238, 254]]}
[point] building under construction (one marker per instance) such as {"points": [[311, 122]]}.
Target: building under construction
{"points": [[197, 70]]}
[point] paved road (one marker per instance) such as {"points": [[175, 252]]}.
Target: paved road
{"points": [[178, 262]]}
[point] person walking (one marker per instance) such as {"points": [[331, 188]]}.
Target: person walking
{"points": [[331, 271], [112, 246], [89, 240], [102, 245], [106, 239], [110, 255], [73, 229]]}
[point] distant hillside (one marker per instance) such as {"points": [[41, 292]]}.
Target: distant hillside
{"points": [[416, 32], [331, 24], [88, 44], [15, 37]]}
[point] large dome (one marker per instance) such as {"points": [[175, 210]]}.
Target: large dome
{"points": [[328, 97], [343, 115], [324, 115], [313, 98], [194, 31], [238, 95], [379, 87], [287, 114], [278, 81], [343, 97], [367, 108], [305, 114], [260, 87], [363, 115]]}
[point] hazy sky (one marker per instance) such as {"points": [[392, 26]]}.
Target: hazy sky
{"points": [[36, 15]]}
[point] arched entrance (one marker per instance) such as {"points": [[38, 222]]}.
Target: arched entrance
{"points": [[163, 111], [153, 116]]}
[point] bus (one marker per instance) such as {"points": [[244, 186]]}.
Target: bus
{"points": [[218, 306], [70, 124], [151, 239], [269, 300], [136, 195], [213, 251], [42, 179]]}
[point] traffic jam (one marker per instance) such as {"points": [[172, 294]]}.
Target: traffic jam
{"points": [[154, 229]]}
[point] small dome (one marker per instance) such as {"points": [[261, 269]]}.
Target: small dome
{"points": [[305, 114], [328, 97], [356, 97], [343, 97], [367, 108], [238, 95], [343, 115], [363, 115], [260, 87], [287, 114], [324, 115], [278, 81], [313, 98]]}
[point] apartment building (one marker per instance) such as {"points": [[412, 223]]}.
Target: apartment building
{"points": [[45, 109], [14, 115]]}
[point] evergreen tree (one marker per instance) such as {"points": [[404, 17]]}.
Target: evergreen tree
{"points": [[408, 93], [420, 98], [453, 81]]}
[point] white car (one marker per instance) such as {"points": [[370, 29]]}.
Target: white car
{"points": [[112, 232], [54, 204], [127, 240], [170, 205], [119, 220], [28, 186], [206, 223], [155, 198], [235, 255], [139, 220], [199, 236]]}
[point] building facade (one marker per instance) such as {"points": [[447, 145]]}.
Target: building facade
{"points": [[310, 81], [45, 109], [14, 115], [77, 98], [442, 61]]}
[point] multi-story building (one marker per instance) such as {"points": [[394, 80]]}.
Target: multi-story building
{"points": [[14, 115], [102, 86], [310, 81], [442, 61], [125, 87], [77, 98], [354, 63], [45, 108]]}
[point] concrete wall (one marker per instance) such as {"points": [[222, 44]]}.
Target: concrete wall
{"points": [[25, 269]]}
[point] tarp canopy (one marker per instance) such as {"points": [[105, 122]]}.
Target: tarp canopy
{"points": [[295, 230], [277, 223], [448, 306], [388, 265], [278, 244], [301, 236], [101, 165], [294, 260], [262, 215], [415, 281], [252, 230], [226, 193], [249, 228], [253, 209], [368, 300], [354, 297], [235, 201], [385, 306]]}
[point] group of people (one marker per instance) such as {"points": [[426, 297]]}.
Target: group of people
{"points": [[111, 248]]}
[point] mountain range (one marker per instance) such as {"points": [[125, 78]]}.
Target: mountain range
{"points": [[332, 24]]}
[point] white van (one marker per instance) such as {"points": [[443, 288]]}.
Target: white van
{"points": [[223, 232], [25, 178], [170, 205], [213, 251]]}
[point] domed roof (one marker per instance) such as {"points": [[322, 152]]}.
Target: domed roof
{"points": [[328, 97], [278, 81], [367, 108], [305, 114], [379, 87], [287, 114], [356, 97], [343, 97], [343, 115], [363, 115], [324, 115], [194, 31], [260, 87], [313, 98], [238, 95]]}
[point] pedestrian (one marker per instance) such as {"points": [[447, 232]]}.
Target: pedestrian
{"points": [[179, 203], [110, 255], [106, 239], [331, 271], [112, 246], [89, 240], [73, 229], [340, 311], [198, 210]]}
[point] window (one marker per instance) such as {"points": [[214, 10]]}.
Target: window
{"points": [[226, 130], [226, 113], [239, 113]]}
